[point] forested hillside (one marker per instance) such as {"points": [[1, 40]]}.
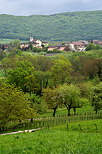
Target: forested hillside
{"points": [[58, 27]]}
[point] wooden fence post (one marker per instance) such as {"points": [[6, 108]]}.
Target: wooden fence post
{"points": [[80, 127]]}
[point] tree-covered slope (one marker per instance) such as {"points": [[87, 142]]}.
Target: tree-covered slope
{"points": [[58, 27]]}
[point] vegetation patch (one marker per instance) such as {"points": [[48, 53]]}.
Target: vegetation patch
{"points": [[57, 140]]}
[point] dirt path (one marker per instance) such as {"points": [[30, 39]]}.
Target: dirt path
{"points": [[24, 131]]}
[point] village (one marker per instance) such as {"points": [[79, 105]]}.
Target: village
{"points": [[66, 46]]}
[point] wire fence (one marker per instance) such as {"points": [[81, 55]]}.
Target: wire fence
{"points": [[50, 122]]}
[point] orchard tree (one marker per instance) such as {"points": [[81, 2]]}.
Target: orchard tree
{"points": [[14, 105], [96, 97], [70, 97], [64, 95], [52, 98]]}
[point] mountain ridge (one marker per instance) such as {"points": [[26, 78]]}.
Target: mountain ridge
{"points": [[66, 26]]}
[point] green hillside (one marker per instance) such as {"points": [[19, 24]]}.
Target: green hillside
{"points": [[58, 27]]}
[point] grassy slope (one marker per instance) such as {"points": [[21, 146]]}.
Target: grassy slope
{"points": [[57, 140], [62, 27]]}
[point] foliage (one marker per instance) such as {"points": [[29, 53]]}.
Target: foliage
{"points": [[92, 46], [38, 104], [67, 26], [96, 97], [70, 97], [52, 98], [22, 76], [33, 73], [2, 54], [37, 50], [15, 43], [60, 71], [14, 105]]}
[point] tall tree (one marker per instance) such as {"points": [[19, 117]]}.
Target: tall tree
{"points": [[14, 105], [60, 71], [70, 97], [22, 76], [52, 98], [96, 97]]}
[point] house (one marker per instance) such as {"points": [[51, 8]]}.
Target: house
{"points": [[4, 46], [96, 42], [24, 46], [51, 48], [57, 47], [45, 44], [77, 46], [35, 42]]}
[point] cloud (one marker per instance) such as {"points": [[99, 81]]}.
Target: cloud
{"points": [[29, 7]]}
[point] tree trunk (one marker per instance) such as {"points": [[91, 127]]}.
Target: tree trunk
{"points": [[96, 111], [68, 111], [31, 120], [74, 111], [68, 108], [46, 83], [54, 111]]}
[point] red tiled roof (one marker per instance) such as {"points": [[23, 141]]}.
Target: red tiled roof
{"points": [[78, 43], [100, 42]]}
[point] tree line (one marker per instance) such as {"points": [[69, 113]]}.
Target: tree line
{"points": [[35, 84]]}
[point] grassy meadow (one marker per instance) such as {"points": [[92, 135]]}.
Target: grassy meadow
{"points": [[57, 140], [85, 109], [7, 41]]}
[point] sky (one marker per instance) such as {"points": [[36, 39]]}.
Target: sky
{"points": [[47, 7]]}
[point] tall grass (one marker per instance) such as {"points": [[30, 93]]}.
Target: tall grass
{"points": [[58, 140]]}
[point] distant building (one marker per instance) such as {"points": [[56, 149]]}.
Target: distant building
{"points": [[35, 42], [57, 47], [77, 46]]}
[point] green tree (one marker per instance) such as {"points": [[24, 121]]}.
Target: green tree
{"points": [[96, 97], [22, 76], [52, 98], [42, 65], [92, 68], [70, 97], [38, 104], [15, 43], [92, 46], [60, 71], [2, 54], [14, 105]]}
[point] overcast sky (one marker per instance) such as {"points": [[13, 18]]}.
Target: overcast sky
{"points": [[32, 7]]}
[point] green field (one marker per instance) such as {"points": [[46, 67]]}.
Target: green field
{"points": [[56, 140], [6, 41]]}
